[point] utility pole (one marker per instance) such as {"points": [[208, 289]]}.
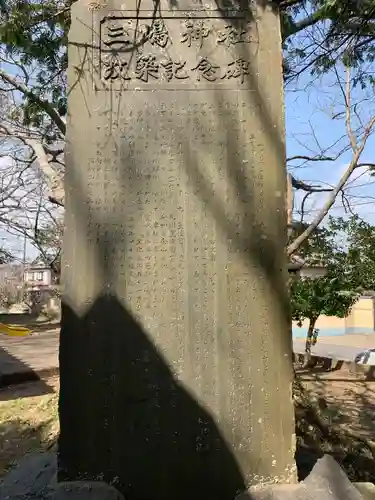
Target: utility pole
{"points": [[23, 268], [289, 201]]}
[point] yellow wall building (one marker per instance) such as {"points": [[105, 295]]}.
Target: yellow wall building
{"points": [[360, 320]]}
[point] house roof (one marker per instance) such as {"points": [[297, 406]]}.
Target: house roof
{"points": [[36, 267]]}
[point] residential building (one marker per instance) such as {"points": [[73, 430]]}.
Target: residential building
{"points": [[38, 277]]}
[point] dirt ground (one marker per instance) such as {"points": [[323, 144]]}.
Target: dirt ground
{"points": [[29, 419], [346, 399]]}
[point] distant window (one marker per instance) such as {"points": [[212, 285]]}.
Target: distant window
{"points": [[39, 276]]}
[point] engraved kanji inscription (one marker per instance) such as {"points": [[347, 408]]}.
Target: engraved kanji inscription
{"points": [[114, 68], [194, 31], [207, 70], [237, 69], [231, 35], [146, 66], [174, 70], [119, 36], [157, 33], [124, 56], [116, 36]]}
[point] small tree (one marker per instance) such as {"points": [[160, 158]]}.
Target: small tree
{"points": [[336, 292], [330, 295]]}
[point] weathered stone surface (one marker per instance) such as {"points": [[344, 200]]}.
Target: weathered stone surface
{"points": [[86, 490], [175, 350], [367, 490], [33, 478], [278, 492], [327, 481]]}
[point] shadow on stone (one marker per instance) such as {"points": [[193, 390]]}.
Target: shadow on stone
{"points": [[145, 434]]}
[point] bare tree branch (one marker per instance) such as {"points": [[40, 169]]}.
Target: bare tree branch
{"points": [[293, 247], [357, 136], [347, 95], [54, 180], [297, 184], [42, 103], [311, 158]]}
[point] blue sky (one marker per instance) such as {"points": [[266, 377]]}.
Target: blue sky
{"points": [[311, 103], [310, 127]]}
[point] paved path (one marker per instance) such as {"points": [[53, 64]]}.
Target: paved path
{"points": [[40, 351], [343, 347], [36, 352]]}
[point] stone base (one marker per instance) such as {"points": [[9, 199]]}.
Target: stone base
{"points": [[367, 490], [327, 481], [90, 490], [35, 478]]}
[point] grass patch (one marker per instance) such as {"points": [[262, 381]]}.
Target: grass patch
{"points": [[28, 421]]}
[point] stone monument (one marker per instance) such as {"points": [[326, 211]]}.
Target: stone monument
{"points": [[175, 351]]}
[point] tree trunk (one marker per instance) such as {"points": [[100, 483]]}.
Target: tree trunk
{"points": [[309, 341]]}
